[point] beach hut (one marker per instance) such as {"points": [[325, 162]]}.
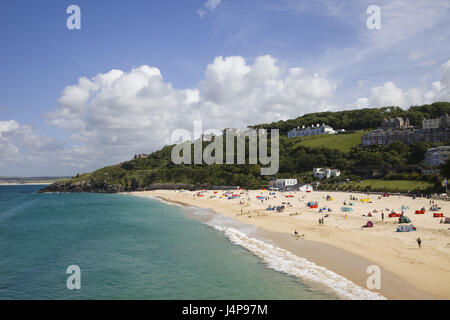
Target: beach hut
{"points": [[404, 219], [406, 228]]}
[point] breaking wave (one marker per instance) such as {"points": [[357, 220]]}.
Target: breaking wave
{"points": [[284, 261]]}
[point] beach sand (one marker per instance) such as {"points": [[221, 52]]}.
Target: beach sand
{"points": [[340, 244]]}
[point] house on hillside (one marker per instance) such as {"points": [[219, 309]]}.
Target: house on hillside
{"points": [[140, 156], [310, 131], [436, 123], [395, 123], [434, 157], [386, 137], [326, 173]]}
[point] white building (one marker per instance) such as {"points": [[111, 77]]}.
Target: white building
{"points": [[310, 131], [247, 131], [305, 187], [434, 157], [326, 173], [208, 137], [283, 184]]}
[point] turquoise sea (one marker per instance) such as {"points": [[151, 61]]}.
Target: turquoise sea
{"points": [[127, 248]]}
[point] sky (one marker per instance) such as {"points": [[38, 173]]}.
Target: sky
{"points": [[74, 100]]}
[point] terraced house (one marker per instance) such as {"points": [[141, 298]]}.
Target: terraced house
{"points": [[386, 137], [397, 129], [310, 131]]}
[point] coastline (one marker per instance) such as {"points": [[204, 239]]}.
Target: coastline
{"points": [[339, 245]]}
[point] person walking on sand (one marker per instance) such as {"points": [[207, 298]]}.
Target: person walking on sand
{"points": [[382, 216], [419, 242]]}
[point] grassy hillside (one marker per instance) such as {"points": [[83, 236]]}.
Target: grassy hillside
{"points": [[297, 156], [341, 142], [362, 119], [387, 185]]}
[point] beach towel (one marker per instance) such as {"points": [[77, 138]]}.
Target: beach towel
{"points": [[406, 228]]}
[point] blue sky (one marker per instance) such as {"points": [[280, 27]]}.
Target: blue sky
{"points": [[350, 66]]}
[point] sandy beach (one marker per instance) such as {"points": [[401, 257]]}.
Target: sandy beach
{"points": [[408, 272]]}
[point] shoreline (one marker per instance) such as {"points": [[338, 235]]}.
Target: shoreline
{"points": [[402, 278]]}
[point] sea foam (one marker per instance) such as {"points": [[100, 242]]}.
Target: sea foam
{"points": [[284, 261]]}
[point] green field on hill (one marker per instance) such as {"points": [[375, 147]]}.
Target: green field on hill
{"points": [[341, 142], [388, 185]]}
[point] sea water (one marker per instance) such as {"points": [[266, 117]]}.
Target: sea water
{"points": [[126, 248]]}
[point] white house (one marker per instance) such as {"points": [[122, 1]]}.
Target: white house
{"points": [[434, 157], [247, 131], [310, 131], [305, 187], [326, 173], [283, 184], [208, 137]]}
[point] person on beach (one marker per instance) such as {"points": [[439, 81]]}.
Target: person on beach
{"points": [[382, 216], [419, 242]]}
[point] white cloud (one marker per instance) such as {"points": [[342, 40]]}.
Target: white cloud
{"points": [[6, 126], [22, 146], [413, 39], [235, 92], [113, 115], [390, 95], [210, 5]]}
